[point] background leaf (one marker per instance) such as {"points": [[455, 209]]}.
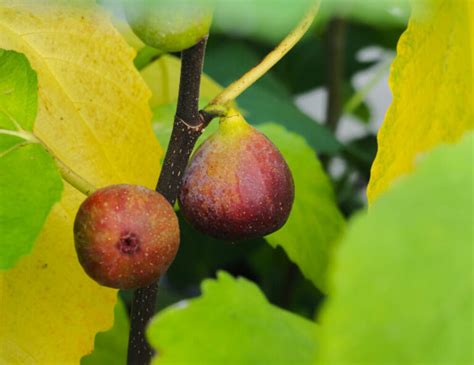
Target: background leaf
{"points": [[29, 186], [93, 113], [29, 182], [232, 322], [18, 92], [315, 222], [402, 283], [431, 82], [111, 347]]}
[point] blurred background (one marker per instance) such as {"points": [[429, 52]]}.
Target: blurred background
{"points": [[332, 89]]}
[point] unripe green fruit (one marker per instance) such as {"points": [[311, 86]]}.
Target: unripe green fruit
{"points": [[169, 25], [126, 236], [237, 185]]}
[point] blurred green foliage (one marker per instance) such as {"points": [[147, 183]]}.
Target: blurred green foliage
{"points": [[223, 323], [404, 271]]}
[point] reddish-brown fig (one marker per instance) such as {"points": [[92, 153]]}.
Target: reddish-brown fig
{"points": [[237, 185], [126, 236]]}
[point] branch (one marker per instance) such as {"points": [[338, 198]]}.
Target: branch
{"points": [[188, 126], [335, 43], [217, 105]]}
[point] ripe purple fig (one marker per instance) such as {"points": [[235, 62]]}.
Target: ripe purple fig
{"points": [[237, 185], [126, 236]]}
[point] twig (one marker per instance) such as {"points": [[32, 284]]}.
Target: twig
{"points": [[188, 125], [336, 41]]}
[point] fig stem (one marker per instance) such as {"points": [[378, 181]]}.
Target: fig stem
{"points": [[250, 77], [188, 126], [68, 174], [73, 178]]}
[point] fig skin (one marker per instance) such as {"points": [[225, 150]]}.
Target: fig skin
{"points": [[169, 25], [126, 236], [238, 185]]}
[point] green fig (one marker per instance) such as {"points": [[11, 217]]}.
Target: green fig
{"points": [[126, 236], [169, 25], [237, 185]]}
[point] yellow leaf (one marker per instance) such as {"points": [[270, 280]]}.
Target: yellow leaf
{"points": [[431, 81], [162, 77], [94, 114]]}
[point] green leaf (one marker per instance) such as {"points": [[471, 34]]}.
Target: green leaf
{"points": [[111, 347], [315, 222], [402, 280], [29, 186], [29, 181], [18, 92], [231, 323], [267, 100]]}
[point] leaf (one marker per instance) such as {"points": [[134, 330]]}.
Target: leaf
{"points": [[18, 92], [402, 280], [93, 113], [29, 182], [111, 346], [315, 222], [242, 328], [431, 82], [29, 187]]}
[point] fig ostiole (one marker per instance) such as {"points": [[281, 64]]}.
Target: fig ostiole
{"points": [[237, 185], [169, 25], [126, 236]]}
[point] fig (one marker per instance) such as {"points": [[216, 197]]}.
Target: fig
{"points": [[237, 185], [126, 236], [169, 25]]}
